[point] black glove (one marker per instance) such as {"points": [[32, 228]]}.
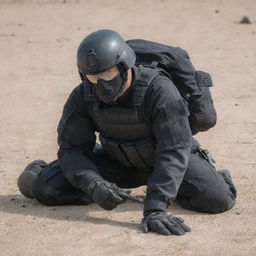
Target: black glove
{"points": [[162, 223], [106, 195]]}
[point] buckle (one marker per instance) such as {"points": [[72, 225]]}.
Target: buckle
{"points": [[206, 154]]}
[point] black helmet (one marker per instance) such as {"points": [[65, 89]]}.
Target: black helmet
{"points": [[102, 50]]}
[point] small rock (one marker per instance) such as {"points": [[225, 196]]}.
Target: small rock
{"points": [[245, 20], [24, 206], [217, 11], [236, 104], [238, 213]]}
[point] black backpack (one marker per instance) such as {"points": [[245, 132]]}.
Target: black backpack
{"points": [[193, 85]]}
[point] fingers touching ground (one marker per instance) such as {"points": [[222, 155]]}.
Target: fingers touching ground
{"points": [[164, 224]]}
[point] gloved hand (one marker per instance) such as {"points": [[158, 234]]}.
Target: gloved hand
{"points": [[162, 223], [106, 195]]}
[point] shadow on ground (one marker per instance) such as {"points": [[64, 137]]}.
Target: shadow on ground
{"points": [[17, 204]]}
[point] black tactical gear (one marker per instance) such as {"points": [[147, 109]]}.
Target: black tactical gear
{"points": [[226, 176], [202, 188], [155, 112], [105, 194], [174, 60], [28, 175], [164, 224], [109, 91], [145, 140], [192, 85], [102, 50], [147, 129], [113, 123]]}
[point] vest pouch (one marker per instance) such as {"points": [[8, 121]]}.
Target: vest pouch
{"points": [[139, 153], [146, 150], [114, 150], [203, 115]]}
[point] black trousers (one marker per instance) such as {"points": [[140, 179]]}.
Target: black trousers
{"points": [[203, 189]]}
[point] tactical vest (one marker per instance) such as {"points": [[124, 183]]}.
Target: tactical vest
{"points": [[123, 131]]}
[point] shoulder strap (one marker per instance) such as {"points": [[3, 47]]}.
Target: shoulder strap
{"points": [[89, 94], [143, 78]]}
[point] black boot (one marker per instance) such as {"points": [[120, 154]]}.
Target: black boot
{"points": [[226, 176], [28, 176]]}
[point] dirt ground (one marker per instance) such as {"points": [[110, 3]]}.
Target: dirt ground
{"points": [[38, 42]]}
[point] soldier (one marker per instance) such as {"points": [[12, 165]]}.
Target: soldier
{"points": [[145, 139]]}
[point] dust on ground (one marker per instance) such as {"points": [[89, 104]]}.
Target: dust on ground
{"points": [[38, 42]]}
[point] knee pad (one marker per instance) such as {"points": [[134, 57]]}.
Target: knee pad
{"points": [[28, 176], [218, 201], [227, 177], [43, 193]]}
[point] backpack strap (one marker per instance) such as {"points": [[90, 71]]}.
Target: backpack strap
{"points": [[143, 78]]}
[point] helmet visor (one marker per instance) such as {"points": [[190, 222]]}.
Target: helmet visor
{"points": [[106, 75]]}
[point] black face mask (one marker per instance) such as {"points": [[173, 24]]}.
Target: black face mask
{"points": [[109, 91]]}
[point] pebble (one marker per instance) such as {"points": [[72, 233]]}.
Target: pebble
{"points": [[245, 20]]}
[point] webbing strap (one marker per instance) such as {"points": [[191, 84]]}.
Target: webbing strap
{"points": [[89, 93], [143, 78]]}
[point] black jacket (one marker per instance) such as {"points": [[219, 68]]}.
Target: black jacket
{"points": [[164, 110]]}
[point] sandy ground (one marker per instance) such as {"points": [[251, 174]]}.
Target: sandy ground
{"points": [[38, 42]]}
